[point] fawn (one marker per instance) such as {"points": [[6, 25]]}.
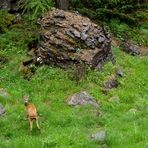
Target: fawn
{"points": [[31, 112]]}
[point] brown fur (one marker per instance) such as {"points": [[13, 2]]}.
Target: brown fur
{"points": [[31, 112]]}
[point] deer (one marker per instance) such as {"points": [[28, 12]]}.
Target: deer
{"points": [[31, 112]]}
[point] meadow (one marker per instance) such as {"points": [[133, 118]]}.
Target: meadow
{"points": [[123, 111]]}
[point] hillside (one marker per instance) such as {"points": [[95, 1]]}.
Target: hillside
{"points": [[122, 111]]}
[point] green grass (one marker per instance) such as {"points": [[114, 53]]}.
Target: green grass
{"points": [[123, 111], [137, 34]]}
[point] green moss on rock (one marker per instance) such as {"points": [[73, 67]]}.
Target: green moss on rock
{"points": [[5, 20]]}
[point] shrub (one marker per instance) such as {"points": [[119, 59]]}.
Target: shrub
{"points": [[5, 20], [118, 28], [36, 7]]}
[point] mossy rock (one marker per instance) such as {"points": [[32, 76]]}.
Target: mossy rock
{"points": [[5, 20]]}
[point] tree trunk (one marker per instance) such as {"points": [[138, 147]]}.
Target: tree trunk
{"points": [[62, 4]]}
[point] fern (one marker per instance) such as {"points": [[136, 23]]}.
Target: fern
{"points": [[35, 7]]}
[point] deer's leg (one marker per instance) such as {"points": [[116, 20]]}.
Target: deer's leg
{"points": [[30, 122], [37, 124]]}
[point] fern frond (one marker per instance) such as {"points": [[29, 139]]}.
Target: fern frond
{"points": [[36, 7]]}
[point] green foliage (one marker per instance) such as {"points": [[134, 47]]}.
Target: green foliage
{"points": [[35, 8], [141, 15], [108, 14], [118, 28], [110, 9], [15, 40], [125, 5], [122, 30], [5, 20], [16, 37]]}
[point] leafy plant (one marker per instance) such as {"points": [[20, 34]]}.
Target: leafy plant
{"points": [[110, 9], [120, 29], [36, 7], [5, 20]]}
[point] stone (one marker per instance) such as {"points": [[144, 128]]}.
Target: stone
{"points": [[76, 33], [4, 93], [110, 83], [100, 136], [2, 109], [68, 38], [129, 47], [101, 39], [119, 73], [83, 36], [82, 98]]}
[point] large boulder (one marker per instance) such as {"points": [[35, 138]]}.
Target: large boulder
{"points": [[68, 38]]}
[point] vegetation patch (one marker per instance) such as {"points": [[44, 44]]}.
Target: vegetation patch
{"points": [[122, 113], [5, 20]]}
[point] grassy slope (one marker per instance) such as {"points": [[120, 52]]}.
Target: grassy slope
{"points": [[124, 110]]}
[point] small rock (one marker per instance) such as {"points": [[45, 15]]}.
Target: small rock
{"points": [[111, 83], [86, 29], [101, 39], [17, 18], [60, 14], [84, 36], [76, 33], [119, 73], [3, 93], [99, 136], [85, 24], [2, 109], [70, 33], [129, 47], [82, 98], [108, 35], [90, 43]]}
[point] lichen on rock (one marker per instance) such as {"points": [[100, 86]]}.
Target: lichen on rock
{"points": [[67, 38]]}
